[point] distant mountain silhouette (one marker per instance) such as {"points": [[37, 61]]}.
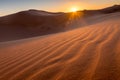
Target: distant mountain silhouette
{"points": [[115, 8], [112, 9]]}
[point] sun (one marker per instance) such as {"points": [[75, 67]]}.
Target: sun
{"points": [[74, 9]]}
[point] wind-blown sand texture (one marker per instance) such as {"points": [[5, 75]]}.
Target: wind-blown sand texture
{"points": [[87, 53]]}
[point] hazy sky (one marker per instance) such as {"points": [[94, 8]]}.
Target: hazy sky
{"points": [[11, 6]]}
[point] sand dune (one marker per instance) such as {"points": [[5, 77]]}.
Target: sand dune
{"points": [[87, 53], [32, 23]]}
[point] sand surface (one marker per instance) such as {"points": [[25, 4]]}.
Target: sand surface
{"points": [[87, 53]]}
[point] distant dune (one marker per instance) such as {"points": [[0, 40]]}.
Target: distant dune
{"points": [[31, 23], [90, 51]]}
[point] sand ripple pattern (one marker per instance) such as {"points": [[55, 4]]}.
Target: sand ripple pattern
{"points": [[88, 53]]}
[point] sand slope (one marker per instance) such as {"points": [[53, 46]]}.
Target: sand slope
{"points": [[88, 53]]}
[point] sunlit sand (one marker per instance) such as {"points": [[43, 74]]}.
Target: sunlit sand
{"points": [[88, 52]]}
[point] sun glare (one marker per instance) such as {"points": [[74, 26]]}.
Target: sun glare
{"points": [[74, 9]]}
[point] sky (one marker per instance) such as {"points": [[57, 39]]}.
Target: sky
{"points": [[12, 6]]}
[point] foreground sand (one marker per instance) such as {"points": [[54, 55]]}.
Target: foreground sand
{"points": [[88, 53]]}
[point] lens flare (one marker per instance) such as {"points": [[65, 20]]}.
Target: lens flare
{"points": [[74, 9]]}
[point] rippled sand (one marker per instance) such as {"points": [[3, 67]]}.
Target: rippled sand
{"points": [[87, 53]]}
